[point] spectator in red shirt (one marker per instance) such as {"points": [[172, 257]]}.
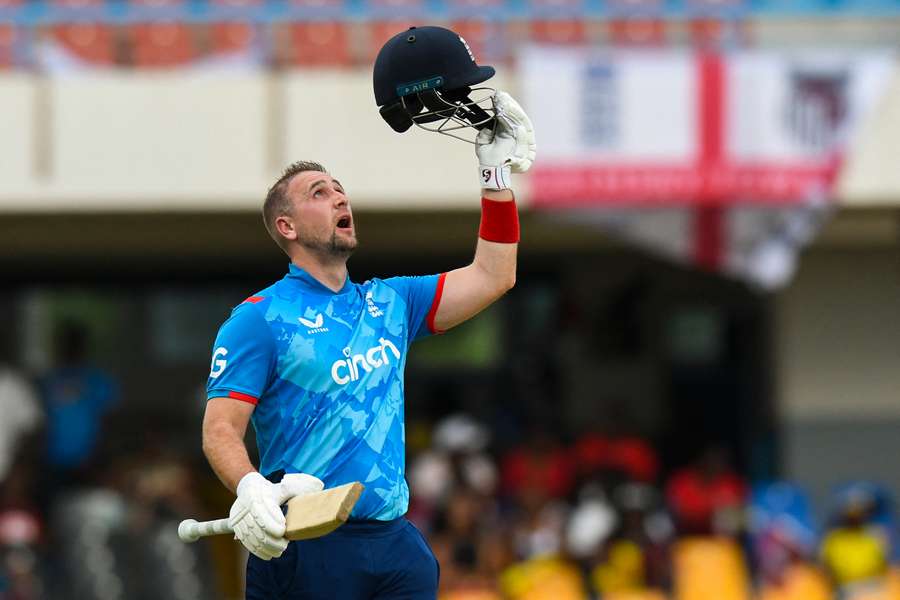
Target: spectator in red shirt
{"points": [[706, 497], [540, 465], [629, 457]]}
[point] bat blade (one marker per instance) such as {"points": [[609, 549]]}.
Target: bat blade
{"points": [[315, 515]]}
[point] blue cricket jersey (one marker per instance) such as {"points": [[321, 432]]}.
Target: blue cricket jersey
{"points": [[325, 371]]}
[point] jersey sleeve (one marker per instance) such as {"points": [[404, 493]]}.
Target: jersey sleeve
{"points": [[243, 358], [422, 295]]}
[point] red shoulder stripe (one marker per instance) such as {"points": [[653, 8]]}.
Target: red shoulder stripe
{"points": [[435, 303], [243, 397], [254, 299]]}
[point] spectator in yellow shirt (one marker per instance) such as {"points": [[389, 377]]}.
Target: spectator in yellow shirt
{"points": [[855, 551]]}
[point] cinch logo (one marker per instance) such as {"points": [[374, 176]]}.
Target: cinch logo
{"points": [[218, 364], [345, 371]]}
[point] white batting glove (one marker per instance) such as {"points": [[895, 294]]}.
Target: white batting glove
{"points": [[256, 515], [298, 484], [508, 148]]}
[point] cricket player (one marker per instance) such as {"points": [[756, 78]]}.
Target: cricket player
{"points": [[316, 363]]}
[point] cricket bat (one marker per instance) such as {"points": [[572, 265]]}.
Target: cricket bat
{"points": [[308, 516]]}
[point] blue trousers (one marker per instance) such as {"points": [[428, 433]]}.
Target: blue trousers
{"points": [[365, 560]]}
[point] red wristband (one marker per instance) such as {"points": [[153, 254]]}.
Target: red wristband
{"points": [[499, 221]]}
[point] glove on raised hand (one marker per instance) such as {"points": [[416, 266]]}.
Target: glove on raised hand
{"points": [[509, 147]]}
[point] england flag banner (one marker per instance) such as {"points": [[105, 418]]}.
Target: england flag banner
{"points": [[722, 161]]}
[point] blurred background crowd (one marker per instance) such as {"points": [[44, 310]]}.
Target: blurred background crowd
{"points": [[691, 394], [515, 504]]}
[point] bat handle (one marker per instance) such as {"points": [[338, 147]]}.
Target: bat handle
{"points": [[191, 530]]}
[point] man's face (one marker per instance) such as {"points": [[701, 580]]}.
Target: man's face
{"points": [[322, 215]]}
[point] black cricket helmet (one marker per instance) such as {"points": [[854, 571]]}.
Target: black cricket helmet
{"points": [[425, 75]]}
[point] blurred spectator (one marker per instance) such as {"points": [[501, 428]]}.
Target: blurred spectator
{"points": [[20, 523], [458, 527], [637, 556], [117, 538], [539, 466], [799, 581], [536, 477], [543, 578], [882, 518], [709, 569], [615, 459], [783, 539], [77, 396], [495, 553], [457, 459], [592, 522], [21, 413], [707, 497], [462, 540], [539, 525], [622, 570], [20, 536], [782, 534], [856, 549]]}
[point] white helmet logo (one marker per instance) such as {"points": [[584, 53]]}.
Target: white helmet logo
{"points": [[469, 50]]}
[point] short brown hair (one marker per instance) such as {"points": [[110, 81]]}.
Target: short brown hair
{"points": [[277, 202]]}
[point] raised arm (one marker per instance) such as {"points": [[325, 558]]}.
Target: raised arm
{"points": [[510, 147]]}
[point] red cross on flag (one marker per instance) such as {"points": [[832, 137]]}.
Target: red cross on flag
{"points": [[723, 161]]}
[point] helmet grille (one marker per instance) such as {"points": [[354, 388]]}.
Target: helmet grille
{"points": [[450, 112]]}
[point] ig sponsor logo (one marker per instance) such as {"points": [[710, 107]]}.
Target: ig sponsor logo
{"points": [[218, 364]]}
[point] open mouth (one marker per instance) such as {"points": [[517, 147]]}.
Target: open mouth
{"points": [[344, 222]]}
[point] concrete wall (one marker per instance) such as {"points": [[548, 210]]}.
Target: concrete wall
{"points": [[871, 176], [838, 368], [838, 331], [197, 140], [120, 140]]}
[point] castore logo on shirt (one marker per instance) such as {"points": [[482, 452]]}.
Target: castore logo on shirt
{"points": [[315, 326]]}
